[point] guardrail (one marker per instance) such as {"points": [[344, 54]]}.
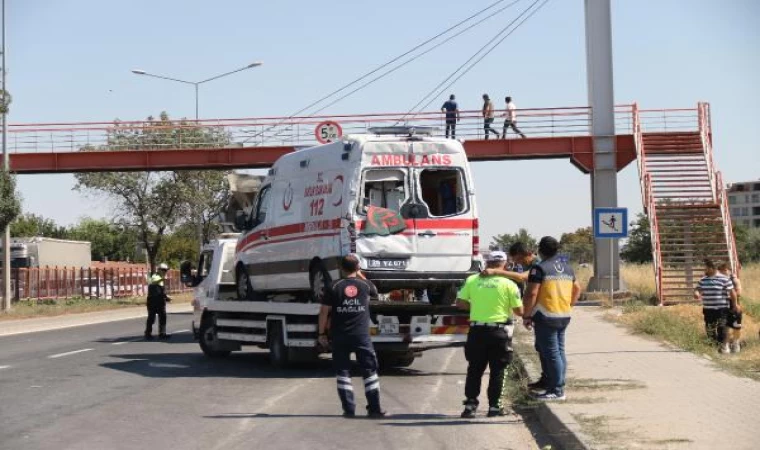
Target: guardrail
{"points": [[283, 131], [59, 283]]}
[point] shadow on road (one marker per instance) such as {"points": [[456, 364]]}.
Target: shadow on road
{"points": [[414, 420], [177, 338]]}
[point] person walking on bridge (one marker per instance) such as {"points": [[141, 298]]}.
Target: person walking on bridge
{"points": [[510, 120], [156, 303], [488, 116], [491, 301], [346, 307]]}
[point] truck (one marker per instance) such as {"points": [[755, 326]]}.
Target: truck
{"points": [[27, 252], [399, 199]]}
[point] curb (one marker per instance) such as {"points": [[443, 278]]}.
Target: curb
{"points": [[560, 425]]}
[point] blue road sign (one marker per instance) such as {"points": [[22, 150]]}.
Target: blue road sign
{"points": [[611, 223]]}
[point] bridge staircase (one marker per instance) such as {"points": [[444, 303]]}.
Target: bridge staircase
{"points": [[684, 198]]}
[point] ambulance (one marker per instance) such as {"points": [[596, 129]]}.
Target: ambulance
{"points": [[400, 199]]}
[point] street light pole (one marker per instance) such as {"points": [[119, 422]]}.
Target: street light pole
{"points": [[196, 85], [6, 166]]}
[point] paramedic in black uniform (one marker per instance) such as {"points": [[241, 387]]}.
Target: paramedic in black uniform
{"points": [[346, 303]]}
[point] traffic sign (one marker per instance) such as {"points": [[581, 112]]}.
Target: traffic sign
{"points": [[611, 223], [328, 131]]}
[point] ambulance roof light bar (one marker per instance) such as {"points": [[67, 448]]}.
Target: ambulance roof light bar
{"points": [[403, 130]]}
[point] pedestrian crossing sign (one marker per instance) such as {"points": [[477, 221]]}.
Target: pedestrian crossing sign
{"points": [[611, 223]]}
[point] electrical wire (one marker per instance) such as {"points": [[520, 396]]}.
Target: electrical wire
{"points": [[498, 38]]}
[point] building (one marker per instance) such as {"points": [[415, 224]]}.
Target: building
{"points": [[744, 201]]}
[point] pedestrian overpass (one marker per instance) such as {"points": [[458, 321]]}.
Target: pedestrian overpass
{"points": [[683, 194]]}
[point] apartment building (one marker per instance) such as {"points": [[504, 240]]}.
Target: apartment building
{"points": [[744, 201]]}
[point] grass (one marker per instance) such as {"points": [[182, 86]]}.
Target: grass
{"points": [[47, 308]]}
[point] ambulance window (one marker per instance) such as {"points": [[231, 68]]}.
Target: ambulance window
{"points": [[263, 205], [443, 191], [384, 189]]}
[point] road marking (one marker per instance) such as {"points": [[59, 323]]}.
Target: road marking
{"points": [[4, 367], [181, 331], [127, 341], [59, 355]]}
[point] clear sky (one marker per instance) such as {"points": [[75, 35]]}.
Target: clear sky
{"points": [[71, 61]]}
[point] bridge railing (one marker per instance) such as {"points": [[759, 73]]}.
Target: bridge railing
{"points": [[283, 131]]}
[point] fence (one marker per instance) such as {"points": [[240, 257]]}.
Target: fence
{"points": [[53, 283]]}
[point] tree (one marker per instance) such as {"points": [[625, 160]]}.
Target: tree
{"points": [[638, 249], [109, 241], [31, 225], [10, 204], [153, 203], [180, 246], [504, 241], [747, 243], [579, 245]]}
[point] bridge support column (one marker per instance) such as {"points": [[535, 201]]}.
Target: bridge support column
{"points": [[602, 101]]}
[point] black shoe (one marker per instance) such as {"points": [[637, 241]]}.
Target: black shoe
{"points": [[148, 337], [495, 411], [375, 413], [349, 414], [164, 336], [539, 385], [469, 409]]}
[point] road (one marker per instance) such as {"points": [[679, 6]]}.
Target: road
{"points": [[103, 387]]}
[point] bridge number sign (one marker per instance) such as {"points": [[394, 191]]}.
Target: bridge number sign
{"points": [[328, 131]]}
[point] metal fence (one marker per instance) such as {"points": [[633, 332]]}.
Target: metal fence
{"points": [[57, 283]]}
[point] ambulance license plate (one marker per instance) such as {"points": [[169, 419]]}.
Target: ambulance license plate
{"points": [[387, 263]]}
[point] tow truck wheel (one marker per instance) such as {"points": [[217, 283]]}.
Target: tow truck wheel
{"points": [[279, 354], [208, 340], [319, 281]]}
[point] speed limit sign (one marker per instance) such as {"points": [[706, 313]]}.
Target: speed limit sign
{"points": [[328, 131]]}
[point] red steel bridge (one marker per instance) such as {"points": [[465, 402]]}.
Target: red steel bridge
{"points": [[682, 192]]}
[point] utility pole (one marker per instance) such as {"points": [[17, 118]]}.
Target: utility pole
{"points": [[6, 166], [601, 99]]}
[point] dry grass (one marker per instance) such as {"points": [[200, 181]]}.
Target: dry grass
{"points": [[47, 308]]}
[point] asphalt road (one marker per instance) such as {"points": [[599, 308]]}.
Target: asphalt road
{"points": [[103, 387]]}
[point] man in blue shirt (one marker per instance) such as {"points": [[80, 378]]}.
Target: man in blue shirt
{"points": [[451, 109]]}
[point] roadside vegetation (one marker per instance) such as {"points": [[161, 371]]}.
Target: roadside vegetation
{"points": [[48, 308]]}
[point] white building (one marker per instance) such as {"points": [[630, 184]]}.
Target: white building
{"points": [[744, 201]]}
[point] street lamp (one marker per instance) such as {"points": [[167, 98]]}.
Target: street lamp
{"points": [[196, 84]]}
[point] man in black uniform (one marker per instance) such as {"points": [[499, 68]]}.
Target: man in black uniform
{"points": [[156, 303], [347, 304]]}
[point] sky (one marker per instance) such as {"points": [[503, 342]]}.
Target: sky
{"points": [[71, 61]]}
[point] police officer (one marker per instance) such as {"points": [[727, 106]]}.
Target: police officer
{"points": [[157, 299], [347, 305], [491, 301]]}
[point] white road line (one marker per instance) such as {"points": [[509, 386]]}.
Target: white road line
{"points": [[4, 367], [181, 331], [59, 355], [127, 341]]}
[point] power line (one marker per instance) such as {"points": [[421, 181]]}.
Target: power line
{"points": [[435, 92], [397, 58]]}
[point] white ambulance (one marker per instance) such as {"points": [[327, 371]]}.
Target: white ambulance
{"points": [[400, 199]]}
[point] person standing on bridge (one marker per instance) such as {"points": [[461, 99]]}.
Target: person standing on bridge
{"points": [[451, 109], [346, 304], [156, 303], [491, 301], [549, 298], [510, 120], [488, 116]]}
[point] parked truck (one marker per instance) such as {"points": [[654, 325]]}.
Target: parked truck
{"points": [[403, 201], [27, 252]]}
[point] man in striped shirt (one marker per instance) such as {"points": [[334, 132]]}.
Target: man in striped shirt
{"points": [[718, 299]]}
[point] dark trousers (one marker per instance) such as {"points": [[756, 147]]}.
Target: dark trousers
{"points": [[342, 347], [510, 124], [487, 346], [716, 321], [451, 128], [550, 343], [156, 309], [487, 127]]}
